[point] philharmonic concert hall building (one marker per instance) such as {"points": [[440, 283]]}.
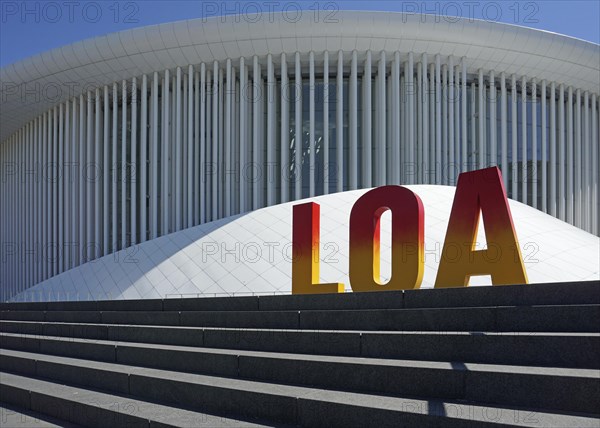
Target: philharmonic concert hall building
{"points": [[162, 160]]}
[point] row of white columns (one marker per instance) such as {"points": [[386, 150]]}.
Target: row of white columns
{"points": [[165, 151]]}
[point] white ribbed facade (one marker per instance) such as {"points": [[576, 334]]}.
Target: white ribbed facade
{"points": [[133, 158]]}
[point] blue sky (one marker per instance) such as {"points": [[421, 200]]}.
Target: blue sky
{"points": [[31, 27]]}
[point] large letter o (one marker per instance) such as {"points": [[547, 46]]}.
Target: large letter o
{"points": [[407, 239]]}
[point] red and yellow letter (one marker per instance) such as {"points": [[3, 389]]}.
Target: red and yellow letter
{"points": [[305, 252], [407, 239], [480, 191]]}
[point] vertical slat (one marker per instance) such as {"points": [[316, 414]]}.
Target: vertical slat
{"points": [[585, 164], [106, 174], [133, 176], [311, 123], [166, 150], [493, 159], [227, 142], [59, 183], [326, 170], [569, 158], [339, 123], [178, 166], [514, 171], [594, 156], [367, 115], [82, 181], [438, 120], [577, 162], [124, 174], [298, 128], [444, 148], [154, 191], [243, 132], [524, 142], [381, 118], [396, 141], [425, 106], [451, 160], [256, 143], [190, 149], [503, 130], [197, 189], [534, 145], [553, 197], [115, 169], [284, 149], [143, 200], [561, 154], [464, 114], [544, 150], [481, 140]]}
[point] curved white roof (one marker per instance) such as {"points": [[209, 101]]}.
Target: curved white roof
{"points": [[64, 72], [251, 253]]}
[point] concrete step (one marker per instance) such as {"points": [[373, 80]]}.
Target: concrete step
{"points": [[17, 417], [564, 318], [569, 350], [585, 292], [552, 388], [281, 404], [93, 408]]}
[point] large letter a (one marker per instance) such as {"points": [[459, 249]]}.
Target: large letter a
{"points": [[480, 191]]}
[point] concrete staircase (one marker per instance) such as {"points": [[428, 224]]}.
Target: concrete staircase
{"points": [[480, 356]]}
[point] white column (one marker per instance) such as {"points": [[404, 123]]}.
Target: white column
{"points": [[339, 123], [311, 123], [410, 98], [165, 199], [503, 130], [59, 183], [444, 151], [438, 120], [569, 158], [544, 151], [144, 160], [298, 129], [124, 166], [106, 175], [464, 115], [424, 166], [450, 179], [115, 170], [203, 144], [326, 123], [396, 140], [455, 168], [586, 160], [190, 149], [269, 172], [561, 154], [227, 142], [493, 121], [284, 149], [244, 90], [256, 143], [594, 157], [197, 189], [154, 214], [367, 133], [134, 163], [381, 119], [88, 175], [177, 170], [553, 197], [514, 147], [534, 145], [577, 161], [524, 142], [481, 140]]}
